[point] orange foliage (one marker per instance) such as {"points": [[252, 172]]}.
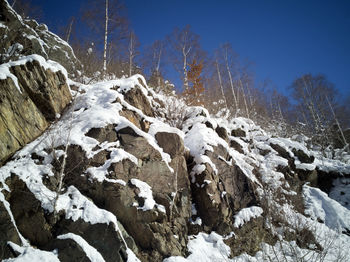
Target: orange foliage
{"points": [[194, 94]]}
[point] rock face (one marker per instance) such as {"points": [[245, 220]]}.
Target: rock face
{"points": [[31, 97], [20, 37], [131, 184], [135, 185]]}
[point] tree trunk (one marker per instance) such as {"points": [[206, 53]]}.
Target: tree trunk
{"points": [[231, 84], [220, 83], [105, 41], [131, 49], [69, 30]]}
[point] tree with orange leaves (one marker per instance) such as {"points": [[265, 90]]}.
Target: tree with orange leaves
{"points": [[193, 94]]}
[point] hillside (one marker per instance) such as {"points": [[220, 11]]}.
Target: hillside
{"points": [[114, 171]]}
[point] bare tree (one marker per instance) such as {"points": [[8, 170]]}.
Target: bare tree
{"points": [[185, 48], [132, 49], [227, 51], [105, 39], [69, 30], [220, 83], [152, 60], [106, 22]]}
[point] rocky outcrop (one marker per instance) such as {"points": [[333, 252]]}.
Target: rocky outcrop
{"points": [[31, 97], [21, 37], [133, 184]]}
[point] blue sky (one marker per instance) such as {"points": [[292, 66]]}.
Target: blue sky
{"points": [[283, 39]]}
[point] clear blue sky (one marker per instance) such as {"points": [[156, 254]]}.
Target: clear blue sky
{"points": [[283, 39]]}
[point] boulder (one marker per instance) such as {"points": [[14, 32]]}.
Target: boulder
{"points": [[302, 156], [222, 132], [219, 196], [238, 133], [171, 143], [107, 133], [136, 98], [68, 250], [8, 232], [28, 214], [103, 237]]}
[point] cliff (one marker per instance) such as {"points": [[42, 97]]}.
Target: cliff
{"points": [[114, 171]]}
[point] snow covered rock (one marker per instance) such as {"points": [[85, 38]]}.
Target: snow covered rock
{"points": [[20, 37], [33, 92]]}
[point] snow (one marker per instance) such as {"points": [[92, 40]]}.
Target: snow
{"points": [[159, 126], [29, 254], [246, 214], [319, 206], [204, 248], [199, 140], [146, 193], [77, 206], [90, 251], [198, 221]]}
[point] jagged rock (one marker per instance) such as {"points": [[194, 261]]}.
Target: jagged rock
{"points": [[137, 145], [123, 169], [222, 132], [68, 250], [20, 122], [48, 90], [238, 133], [249, 237], [107, 133], [132, 117], [217, 196], [28, 214], [282, 152], [136, 98], [176, 147], [21, 37], [302, 156], [24, 116], [8, 232], [236, 146], [152, 229], [103, 237]]}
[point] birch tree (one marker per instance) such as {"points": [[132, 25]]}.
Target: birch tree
{"points": [[105, 42], [184, 48], [227, 50], [107, 23], [220, 83], [316, 95], [132, 50]]}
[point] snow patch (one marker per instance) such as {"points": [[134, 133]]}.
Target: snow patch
{"points": [[146, 193], [246, 214]]}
